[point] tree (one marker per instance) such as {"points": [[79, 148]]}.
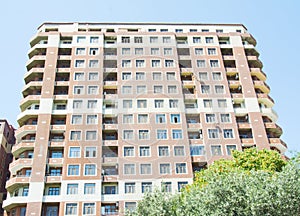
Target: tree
{"points": [[263, 185]]}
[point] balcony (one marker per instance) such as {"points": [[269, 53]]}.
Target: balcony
{"points": [[53, 179], [244, 125], [234, 83], [278, 143], [15, 181], [262, 86], [13, 201], [23, 145], [20, 164], [25, 129], [200, 158], [110, 142], [58, 128], [110, 178], [109, 160], [195, 141], [231, 70], [194, 126], [57, 162], [274, 127], [258, 73], [269, 112]]}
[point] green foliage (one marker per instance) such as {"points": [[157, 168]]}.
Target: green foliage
{"points": [[263, 185]]}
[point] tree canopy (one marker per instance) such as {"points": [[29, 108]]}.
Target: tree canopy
{"points": [[254, 182]]}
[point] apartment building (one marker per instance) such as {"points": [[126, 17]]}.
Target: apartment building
{"points": [[7, 139], [111, 111]]}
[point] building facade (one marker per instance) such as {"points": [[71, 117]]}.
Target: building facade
{"points": [[113, 110], [7, 139]]}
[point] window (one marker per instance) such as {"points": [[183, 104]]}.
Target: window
{"points": [[146, 187], [199, 51], [140, 76], [145, 169], [217, 76], [127, 89], [207, 103], [176, 134], [94, 51], [164, 30], [196, 150], [126, 63], [193, 30], [160, 118], [141, 103], [163, 151], [138, 51], [172, 89], [126, 76], [127, 119], [154, 51], [90, 169], [139, 63], [222, 103], [110, 189], [142, 118], [153, 39], [161, 134], [216, 150], [125, 51], [91, 135], [156, 76], [80, 51], [209, 39], [78, 90], [53, 191], [128, 151], [196, 39], [91, 119], [173, 103], [205, 89], [89, 188], [92, 104], [210, 118], [180, 168], [171, 76], [175, 118], [80, 39], [228, 133], [143, 134], [141, 89], [74, 152], [76, 119], [166, 187], [89, 209], [225, 118], [213, 133], [203, 76], [127, 103], [90, 152], [71, 209], [72, 188], [219, 30], [75, 135], [94, 40], [201, 63], [164, 168], [168, 51], [169, 63], [178, 30], [158, 89], [25, 191], [138, 40], [166, 39], [211, 51], [73, 170], [79, 63], [181, 185], [92, 90], [214, 63], [155, 63], [144, 151], [219, 89], [128, 134], [125, 39], [93, 76], [230, 148], [130, 188], [77, 104], [158, 103], [129, 169]]}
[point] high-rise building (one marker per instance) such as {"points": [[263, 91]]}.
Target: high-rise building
{"points": [[7, 139], [113, 110]]}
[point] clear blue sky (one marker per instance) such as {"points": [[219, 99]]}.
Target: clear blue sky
{"points": [[274, 24]]}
